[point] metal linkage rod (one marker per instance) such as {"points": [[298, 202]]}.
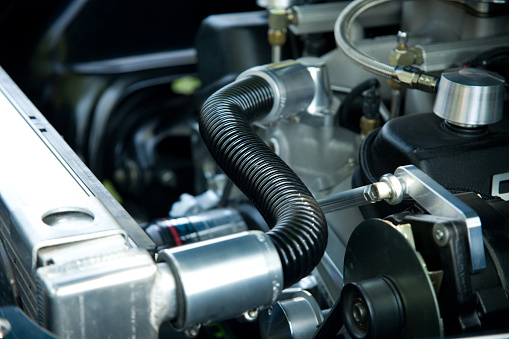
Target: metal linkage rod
{"points": [[351, 198], [388, 189]]}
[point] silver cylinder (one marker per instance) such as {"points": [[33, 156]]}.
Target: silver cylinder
{"points": [[222, 278], [292, 85], [296, 317], [470, 97]]}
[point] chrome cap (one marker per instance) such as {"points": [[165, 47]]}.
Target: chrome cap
{"points": [[470, 97]]}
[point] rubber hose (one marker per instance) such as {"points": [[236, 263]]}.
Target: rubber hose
{"points": [[346, 107], [298, 226]]}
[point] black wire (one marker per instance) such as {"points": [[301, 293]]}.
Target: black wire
{"points": [[485, 57], [346, 109]]}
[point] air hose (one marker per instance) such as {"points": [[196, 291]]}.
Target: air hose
{"points": [[298, 226]]}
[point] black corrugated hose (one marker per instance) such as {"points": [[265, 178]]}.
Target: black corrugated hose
{"points": [[299, 229]]}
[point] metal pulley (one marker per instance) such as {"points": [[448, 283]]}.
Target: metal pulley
{"points": [[388, 280]]}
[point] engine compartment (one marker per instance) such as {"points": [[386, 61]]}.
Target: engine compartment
{"points": [[279, 169]]}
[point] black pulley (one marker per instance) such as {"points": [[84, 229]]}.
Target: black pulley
{"points": [[372, 309]]}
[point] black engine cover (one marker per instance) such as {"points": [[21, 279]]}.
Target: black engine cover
{"points": [[461, 160]]}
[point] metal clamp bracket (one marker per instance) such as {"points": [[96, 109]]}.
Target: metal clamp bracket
{"points": [[440, 202], [411, 181]]}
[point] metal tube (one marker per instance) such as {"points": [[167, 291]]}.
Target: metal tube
{"points": [[276, 53], [396, 98], [388, 189], [351, 198], [342, 31], [410, 77]]}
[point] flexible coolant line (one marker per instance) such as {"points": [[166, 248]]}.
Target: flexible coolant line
{"points": [[298, 225], [342, 31]]}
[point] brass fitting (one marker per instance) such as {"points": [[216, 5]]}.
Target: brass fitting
{"points": [[401, 55], [367, 125], [406, 57], [414, 78], [278, 25], [276, 37]]}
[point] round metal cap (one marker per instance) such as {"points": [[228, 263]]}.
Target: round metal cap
{"points": [[470, 97]]}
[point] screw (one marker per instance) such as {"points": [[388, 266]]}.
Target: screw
{"points": [[402, 38], [168, 178], [193, 331], [251, 315], [439, 234]]}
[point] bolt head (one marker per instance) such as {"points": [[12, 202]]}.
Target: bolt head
{"points": [[440, 235], [402, 37], [360, 313]]}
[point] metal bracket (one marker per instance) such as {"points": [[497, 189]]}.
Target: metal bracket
{"points": [[438, 201], [411, 181]]}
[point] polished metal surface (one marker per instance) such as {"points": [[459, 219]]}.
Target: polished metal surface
{"points": [[324, 103], [470, 97], [448, 21], [440, 202], [44, 202], [351, 198], [123, 295], [322, 156], [499, 186], [387, 189], [61, 229], [222, 278], [395, 194], [292, 86], [390, 255], [295, 316], [319, 18], [40, 226], [276, 53], [439, 56]]}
